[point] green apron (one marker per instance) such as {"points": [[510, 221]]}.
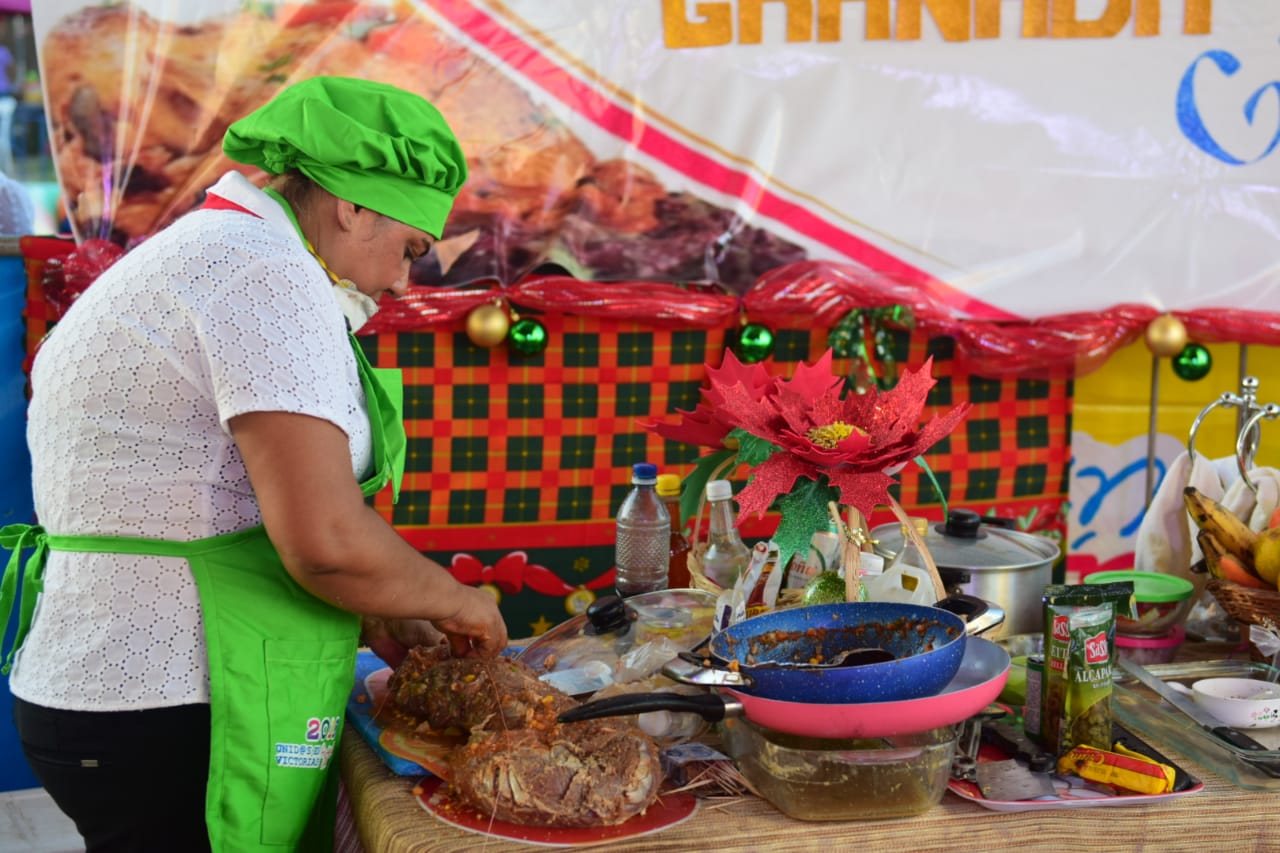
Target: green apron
{"points": [[281, 661]]}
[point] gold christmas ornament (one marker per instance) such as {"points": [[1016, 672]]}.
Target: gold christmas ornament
{"points": [[487, 325], [1166, 336]]}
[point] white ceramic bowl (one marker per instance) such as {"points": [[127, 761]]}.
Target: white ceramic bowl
{"points": [[1244, 703]]}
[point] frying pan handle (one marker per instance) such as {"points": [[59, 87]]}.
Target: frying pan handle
{"points": [[691, 668], [710, 706]]}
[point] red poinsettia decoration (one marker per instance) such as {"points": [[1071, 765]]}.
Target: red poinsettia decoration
{"points": [[817, 430], [808, 440], [710, 423]]}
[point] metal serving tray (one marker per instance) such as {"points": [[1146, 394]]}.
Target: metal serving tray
{"points": [[1143, 711]]}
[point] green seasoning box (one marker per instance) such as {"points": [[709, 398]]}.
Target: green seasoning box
{"points": [[1079, 645]]}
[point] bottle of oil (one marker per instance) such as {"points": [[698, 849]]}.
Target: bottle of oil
{"points": [[678, 569]]}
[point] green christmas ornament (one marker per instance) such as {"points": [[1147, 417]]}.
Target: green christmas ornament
{"points": [[1194, 362], [845, 337], [528, 337], [755, 343]]}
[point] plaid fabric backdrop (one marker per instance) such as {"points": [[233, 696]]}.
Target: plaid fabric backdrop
{"points": [[517, 464]]}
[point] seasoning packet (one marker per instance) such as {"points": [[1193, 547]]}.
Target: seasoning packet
{"points": [[1122, 768], [1079, 646]]}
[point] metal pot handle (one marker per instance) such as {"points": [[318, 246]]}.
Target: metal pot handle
{"points": [[993, 616], [978, 614]]}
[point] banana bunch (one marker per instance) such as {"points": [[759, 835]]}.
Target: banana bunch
{"points": [[1232, 550]]}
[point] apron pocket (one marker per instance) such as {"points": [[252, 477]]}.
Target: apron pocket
{"points": [[307, 688]]}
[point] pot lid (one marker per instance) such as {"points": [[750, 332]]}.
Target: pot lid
{"points": [[1150, 587], [612, 626], [972, 542]]}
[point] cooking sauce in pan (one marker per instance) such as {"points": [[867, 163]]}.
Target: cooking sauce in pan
{"points": [[902, 637]]}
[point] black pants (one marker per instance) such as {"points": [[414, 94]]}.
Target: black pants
{"points": [[131, 780]]}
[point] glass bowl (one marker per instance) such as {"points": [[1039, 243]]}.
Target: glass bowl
{"points": [[843, 779]]}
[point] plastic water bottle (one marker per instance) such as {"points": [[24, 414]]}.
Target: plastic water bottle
{"points": [[726, 555], [643, 544]]}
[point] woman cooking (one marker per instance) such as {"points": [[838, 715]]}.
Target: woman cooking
{"points": [[204, 431]]}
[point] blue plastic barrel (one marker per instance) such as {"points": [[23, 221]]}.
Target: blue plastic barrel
{"points": [[16, 504]]}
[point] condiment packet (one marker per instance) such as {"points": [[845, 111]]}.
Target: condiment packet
{"points": [[685, 762], [747, 581], [1079, 647], [773, 583]]}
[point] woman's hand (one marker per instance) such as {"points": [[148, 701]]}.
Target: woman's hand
{"points": [[476, 627], [391, 639]]}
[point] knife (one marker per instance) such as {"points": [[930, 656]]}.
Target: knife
{"points": [[1188, 706]]}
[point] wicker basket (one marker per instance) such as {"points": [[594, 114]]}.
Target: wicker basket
{"points": [[1248, 606], [850, 554]]}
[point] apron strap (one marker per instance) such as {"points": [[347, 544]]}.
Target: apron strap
{"points": [[384, 398], [24, 581], [18, 538], [149, 547]]}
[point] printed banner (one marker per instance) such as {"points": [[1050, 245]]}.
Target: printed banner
{"points": [[1010, 159]]}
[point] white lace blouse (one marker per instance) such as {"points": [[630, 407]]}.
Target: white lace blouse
{"points": [[221, 314]]}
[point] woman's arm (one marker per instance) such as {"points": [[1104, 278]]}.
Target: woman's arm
{"points": [[340, 549]]}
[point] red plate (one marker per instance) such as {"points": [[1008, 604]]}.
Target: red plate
{"points": [[437, 798], [1071, 792]]}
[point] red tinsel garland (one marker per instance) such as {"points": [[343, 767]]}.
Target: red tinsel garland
{"points": [[654, 302], [813, 294]]}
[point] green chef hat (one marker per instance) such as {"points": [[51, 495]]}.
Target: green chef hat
{"points": [[369, 143]]}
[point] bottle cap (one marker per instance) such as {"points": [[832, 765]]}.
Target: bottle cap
{"points": [[718, 490], [645, 472], [668, 484]]}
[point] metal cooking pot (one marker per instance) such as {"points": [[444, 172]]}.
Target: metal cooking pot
{"points": [[982, 557]]}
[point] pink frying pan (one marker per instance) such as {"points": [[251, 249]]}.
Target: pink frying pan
{"points": [[982, 675]]}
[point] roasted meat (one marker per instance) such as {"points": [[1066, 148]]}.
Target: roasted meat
{"points": [[470, 693], [520, 765], [592, 773]]}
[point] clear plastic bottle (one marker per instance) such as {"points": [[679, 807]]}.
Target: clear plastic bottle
{"points": [[726, 555], [643, 543], [678, 556]]}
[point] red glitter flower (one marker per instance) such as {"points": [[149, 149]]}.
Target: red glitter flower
{"points": [[817, 430], [709, 424], [808, 440]]}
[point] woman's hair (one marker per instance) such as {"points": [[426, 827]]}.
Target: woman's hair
{"points": [[296, 188]]}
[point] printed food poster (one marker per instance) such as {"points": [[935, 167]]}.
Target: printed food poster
{"points": [[1014, 159]]}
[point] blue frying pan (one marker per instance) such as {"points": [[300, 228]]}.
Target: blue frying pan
{"points": [[927, 644]]}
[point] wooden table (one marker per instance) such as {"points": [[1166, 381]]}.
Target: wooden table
{"points": [[1221, 817]]}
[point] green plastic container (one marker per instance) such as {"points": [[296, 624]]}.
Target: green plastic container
{"points": [[1163, 601]]}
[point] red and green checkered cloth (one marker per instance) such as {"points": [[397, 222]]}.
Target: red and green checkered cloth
{"points": [[519, 463]]}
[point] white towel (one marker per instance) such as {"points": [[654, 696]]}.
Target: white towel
{"points": [[1256, 509], [1166, 539]]}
